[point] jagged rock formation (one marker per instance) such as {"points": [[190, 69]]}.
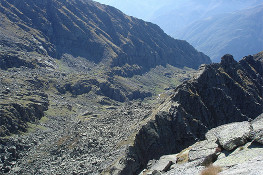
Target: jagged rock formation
{"points": [[221, 93], [88, 29], [243, 158]]}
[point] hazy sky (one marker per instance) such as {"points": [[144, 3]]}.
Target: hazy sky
{"points": [[143, 9], [149, 9], [174, 15]]}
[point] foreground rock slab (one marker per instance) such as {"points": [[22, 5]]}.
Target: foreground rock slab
{"points": [[240, 151]]}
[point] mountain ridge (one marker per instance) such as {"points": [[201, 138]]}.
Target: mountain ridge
{"points": [[237, 33], [97, 32], [220, 93]]}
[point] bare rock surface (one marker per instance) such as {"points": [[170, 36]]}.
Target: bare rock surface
{"points": [[257, 126], [242, 159], [219, 94], [251, 167], [231, 135], [201, 149]]}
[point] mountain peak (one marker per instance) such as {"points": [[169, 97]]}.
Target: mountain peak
{"points": [[228, 59]]}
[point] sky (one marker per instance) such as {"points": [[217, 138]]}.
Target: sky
{"points": [[175, 15], [143, 9]]}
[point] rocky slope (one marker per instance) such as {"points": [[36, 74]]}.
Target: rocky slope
{"points": [[96, 32], [69, 99], [240, 152], [86, 126], [220, 93], [93, 42], [237, 33]]}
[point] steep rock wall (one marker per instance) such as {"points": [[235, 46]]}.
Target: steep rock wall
{"points": [[221, 93]]}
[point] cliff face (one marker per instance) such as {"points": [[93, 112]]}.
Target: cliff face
{"points": [[221, 93], [88, 29], [234, 148]]}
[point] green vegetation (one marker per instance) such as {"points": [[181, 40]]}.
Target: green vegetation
{"points": [[157, 79]]}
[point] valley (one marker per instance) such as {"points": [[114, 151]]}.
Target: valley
{"points": [[86, 89]]}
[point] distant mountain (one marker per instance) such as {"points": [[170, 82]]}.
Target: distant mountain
{"points": [[238, 33], [96, 32], [177, 15], [173, 15]]}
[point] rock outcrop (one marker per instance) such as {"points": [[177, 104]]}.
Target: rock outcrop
{"points": [[244, 158], [220, 93], [100, 33], [15, 114], [103, 88]]}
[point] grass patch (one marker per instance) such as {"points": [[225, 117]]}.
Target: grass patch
{"points": [[211, 170], [33, 127], [58, 111], [43, 119], [182, 157]]}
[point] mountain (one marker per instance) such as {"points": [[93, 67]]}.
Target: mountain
{"points": [[77, 79], [176, 16], [139, 9], [218, 94], [87, 44], [99, 33], [238, 33], [172, 16]]}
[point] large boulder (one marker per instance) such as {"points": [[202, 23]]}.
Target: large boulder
{"points": [[257, 126], [202, 149], [231, 135]]}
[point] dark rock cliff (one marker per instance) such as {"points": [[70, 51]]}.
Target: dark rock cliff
{"points": [[88, 29], [15, 114], [221, 93]]}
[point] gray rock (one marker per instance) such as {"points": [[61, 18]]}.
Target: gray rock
{"points": [[232, 135], [240, 155], [185, 169], [251, 167], [220, 94], [201, 149], [155, 172], [164, 163], [257, 125]]}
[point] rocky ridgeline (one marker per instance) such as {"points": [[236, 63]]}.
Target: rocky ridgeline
{"points": [[100, 33], [241, 148], [220, 93]]}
